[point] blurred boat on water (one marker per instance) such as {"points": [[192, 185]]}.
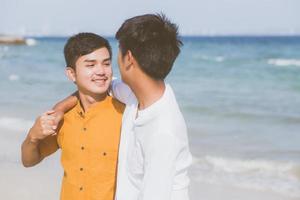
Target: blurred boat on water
{"points": [[16, 40]]}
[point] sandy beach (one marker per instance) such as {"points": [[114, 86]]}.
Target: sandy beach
{"points": [[43, 182], [206, 191]]}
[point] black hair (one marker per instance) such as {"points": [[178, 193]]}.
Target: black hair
{"points": [[153, 41], [82, 44]]}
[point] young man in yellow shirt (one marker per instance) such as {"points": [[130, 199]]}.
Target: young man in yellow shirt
{"points": [[89, 133]]}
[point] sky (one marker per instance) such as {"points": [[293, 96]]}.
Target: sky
{"points": [[194, 17]]}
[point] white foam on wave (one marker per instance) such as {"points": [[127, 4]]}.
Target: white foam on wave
{"points": [[31, 42], [210, 58], [13, 77], [15, 124], [284, 62], [3, 50], [281, 177], [219, 58]]}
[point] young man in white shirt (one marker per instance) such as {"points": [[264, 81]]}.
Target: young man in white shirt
{"points": [[154, 153]]}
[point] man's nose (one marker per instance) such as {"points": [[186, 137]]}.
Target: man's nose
{"points": [[99, 69]]}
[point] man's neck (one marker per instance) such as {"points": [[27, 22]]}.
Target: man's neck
{"points": [[87, 100], [147, 91]]}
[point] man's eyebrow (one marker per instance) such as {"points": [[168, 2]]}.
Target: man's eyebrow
{"points": [[106, 59], [93, 60], [88, 60]]}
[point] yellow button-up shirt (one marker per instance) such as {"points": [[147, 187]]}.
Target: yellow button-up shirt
{"points": [[89, 144]]}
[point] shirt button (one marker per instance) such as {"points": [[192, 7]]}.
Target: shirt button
{"points": [[84, 129], [104, 153], [82, 148], [81, 169], [81, 114], [81, 188]]}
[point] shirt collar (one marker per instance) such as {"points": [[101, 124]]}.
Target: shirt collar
{"points": [[94, 108]]}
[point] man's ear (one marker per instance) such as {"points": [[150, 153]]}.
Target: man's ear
{"points": [[70, 72], [129, 60]]}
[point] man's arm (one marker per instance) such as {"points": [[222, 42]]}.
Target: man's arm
{"points": [[30, 153], [120, 90], [41, 139], [43, 127], [66, 104]]}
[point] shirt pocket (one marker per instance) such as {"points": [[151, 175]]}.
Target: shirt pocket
{"points": [[103, 165]]}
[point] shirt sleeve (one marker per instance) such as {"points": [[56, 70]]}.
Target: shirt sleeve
{"points": [[160, 157], [48, 146], [120, 90]]}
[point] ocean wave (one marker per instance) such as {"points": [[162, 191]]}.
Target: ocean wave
{"points": [[13, 77], [3, 50], [281, 177], [31, 42], [15, 124], [284, 62], [210, 58], [219, 58]]}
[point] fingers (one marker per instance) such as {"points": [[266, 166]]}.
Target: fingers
{"points": [[48, 132], [47, 123], [49, 112], [47, 117]]}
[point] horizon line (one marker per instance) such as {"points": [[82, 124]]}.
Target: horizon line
{"points": [[180, 35], [183, 35]]}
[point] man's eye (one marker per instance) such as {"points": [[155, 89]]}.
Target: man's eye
{"points": [[90, 65], [107, 64]]}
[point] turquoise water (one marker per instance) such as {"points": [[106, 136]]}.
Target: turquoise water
{"points": [[240, 97]]}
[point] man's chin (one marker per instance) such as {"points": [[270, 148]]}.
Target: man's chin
{"points": [[101, 91], [98, 90]]}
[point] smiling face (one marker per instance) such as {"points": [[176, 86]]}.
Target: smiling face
{"points": [[93, 72]]}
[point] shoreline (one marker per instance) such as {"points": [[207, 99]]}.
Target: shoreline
{"points": [[44, 181], [208, 191]]}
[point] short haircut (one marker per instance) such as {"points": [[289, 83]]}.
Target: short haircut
{"points": [[153, 41], [82, 44]]}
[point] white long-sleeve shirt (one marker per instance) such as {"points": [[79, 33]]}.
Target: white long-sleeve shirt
{"points": [[154, 153]]}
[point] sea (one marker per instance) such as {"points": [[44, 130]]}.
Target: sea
{"points": [[240, 97]]}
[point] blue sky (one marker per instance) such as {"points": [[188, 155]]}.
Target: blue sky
{"points": [[194, 17]]}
